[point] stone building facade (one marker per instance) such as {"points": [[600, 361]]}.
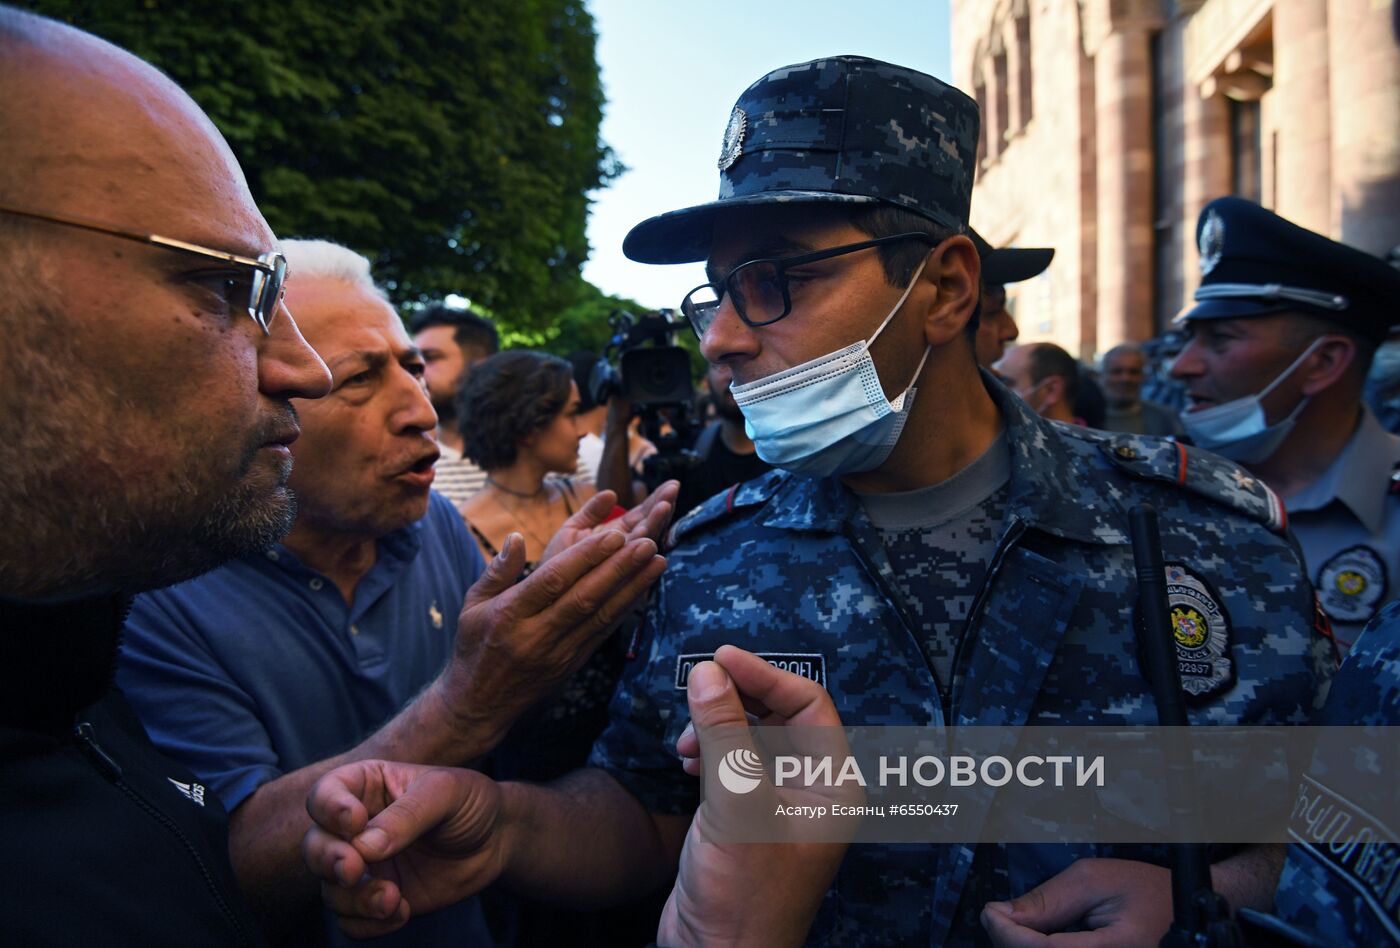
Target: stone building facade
{"points": [[1109, 124]]}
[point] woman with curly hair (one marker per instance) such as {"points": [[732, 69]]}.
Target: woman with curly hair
{"points": [[517, 412]]}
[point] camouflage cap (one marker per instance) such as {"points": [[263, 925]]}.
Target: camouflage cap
{"points": [[846, 129]]}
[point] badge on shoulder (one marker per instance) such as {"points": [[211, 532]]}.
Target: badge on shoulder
{"points": [[1352, 584]]}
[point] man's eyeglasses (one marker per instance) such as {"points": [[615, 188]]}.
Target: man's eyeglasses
{"points": [[268, 270], [759, 288]]}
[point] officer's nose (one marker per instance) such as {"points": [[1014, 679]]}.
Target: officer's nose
{"points": [[728, 338]]}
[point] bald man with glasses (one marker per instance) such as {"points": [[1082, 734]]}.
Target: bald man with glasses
{"points": [[146, 420]]}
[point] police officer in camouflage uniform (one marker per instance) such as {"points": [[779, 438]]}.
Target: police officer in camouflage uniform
{"points": [[1282, 335], [931, 551]]}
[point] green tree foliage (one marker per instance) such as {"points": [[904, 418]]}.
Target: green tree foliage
{"points": [[451, 141]]}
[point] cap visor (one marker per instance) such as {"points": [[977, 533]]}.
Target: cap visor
{"points": [[1014, 264], [684, 236], [1228, 309]]}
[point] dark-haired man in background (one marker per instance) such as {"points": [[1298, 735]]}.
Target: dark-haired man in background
{"points": [[452, 340]]}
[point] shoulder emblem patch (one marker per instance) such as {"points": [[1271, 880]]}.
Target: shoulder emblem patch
{"points": [[1202, 634], [1352, 584]]}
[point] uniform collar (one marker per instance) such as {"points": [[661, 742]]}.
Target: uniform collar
{"points": [[1359, 477], [1048, 487], [1052, 487]]}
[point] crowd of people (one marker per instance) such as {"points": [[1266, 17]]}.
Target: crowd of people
{"points": [[265, 684]]}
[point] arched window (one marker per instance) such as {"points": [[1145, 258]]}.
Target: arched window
{"points": [[1021, 85]]}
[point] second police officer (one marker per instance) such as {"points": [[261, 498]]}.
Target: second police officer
{"points": [[1285, 326]]}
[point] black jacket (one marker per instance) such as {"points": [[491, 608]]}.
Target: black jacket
{"points": [[105, 841]]}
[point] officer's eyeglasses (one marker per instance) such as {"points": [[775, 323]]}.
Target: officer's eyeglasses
{"points": [[267, 273], [759, 288]]}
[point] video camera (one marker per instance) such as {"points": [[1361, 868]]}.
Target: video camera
{"points": [[654, 375]]}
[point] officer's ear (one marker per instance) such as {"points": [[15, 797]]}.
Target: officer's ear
{"points": [[953, 272], [1328, 364]]}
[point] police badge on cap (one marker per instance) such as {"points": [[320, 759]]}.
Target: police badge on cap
{"points": [[733, 145]]}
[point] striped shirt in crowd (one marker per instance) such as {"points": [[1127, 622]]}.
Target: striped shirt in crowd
{"points": [[457, 478]]}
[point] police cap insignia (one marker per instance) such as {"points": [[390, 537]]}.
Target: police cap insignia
{"points": [[733, 145], [1202, 635], [1211, 242], [1352, 584]]}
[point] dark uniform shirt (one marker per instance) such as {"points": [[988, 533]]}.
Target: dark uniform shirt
{"points": [[792, 568]]}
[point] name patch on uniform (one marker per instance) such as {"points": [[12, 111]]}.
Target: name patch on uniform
{"points": [[810, 665], [1351, 845], [1352, 584], [1201, 630]]}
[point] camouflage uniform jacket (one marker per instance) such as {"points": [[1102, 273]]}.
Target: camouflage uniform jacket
{"points": [[1336, 886], [791, 568]]}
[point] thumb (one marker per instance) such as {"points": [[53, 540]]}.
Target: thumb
{"points": [[1004, 933], [1051, 906], [429, 799], [714, 701], [501, 573]]}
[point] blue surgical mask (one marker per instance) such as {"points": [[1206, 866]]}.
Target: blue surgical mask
{"points": [[829, 415], [1238, 429]]}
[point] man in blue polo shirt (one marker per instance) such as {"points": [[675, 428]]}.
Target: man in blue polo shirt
{"points": [[343, 641]]}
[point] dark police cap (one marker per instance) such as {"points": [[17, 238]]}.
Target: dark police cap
{"points": [[1003, 265], [1254, 262], [841, 130]]}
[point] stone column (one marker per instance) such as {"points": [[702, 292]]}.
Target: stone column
{"points": [[1365, 102], [1206, 171], [1123, 160], [1300, 100]]}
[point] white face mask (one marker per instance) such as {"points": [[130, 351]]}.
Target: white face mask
{"points": [[829, 415], [1238, 429]]}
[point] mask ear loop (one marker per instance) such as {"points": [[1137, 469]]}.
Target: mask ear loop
{"points": [[900, 305], [898, 403], [1292, 368]]}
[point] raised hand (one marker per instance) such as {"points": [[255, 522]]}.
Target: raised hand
{"points": [[747, 893], [516, 642]]}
